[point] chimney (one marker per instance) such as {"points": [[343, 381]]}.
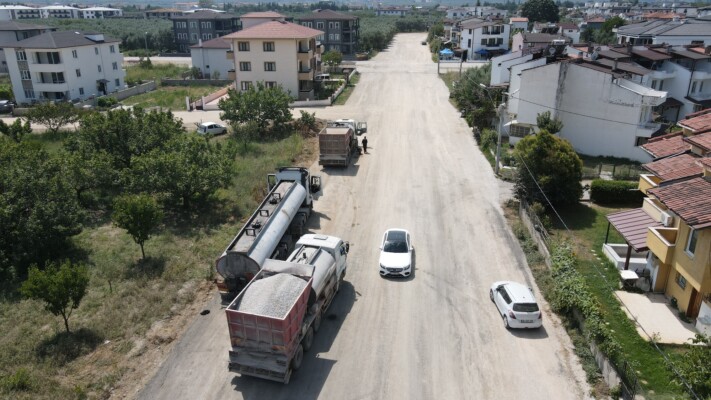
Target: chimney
{"points": [[199, 42]]}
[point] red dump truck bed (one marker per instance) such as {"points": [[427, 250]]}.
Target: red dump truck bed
{"points": [[263, 344], [336, 146]]}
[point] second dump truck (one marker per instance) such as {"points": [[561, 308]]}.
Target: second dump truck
{"points": [[273, 320], [338, 142]]}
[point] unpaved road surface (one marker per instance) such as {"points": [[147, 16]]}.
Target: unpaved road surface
{"points": [[435, 335]]}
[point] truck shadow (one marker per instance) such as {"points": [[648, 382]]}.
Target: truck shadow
{"points": [[308, 381], [314, 222], [351, 170]]}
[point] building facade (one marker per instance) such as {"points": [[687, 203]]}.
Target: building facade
{"points": [[341, 31], [483, 39], [213, 58], [64, 66], [255, 18], [12, 32], [188, 29]]}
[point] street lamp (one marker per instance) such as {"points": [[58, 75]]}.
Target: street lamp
{"points": [[145, 40], [499, 114]]}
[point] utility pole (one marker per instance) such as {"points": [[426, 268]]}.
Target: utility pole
{"points": [[499, 128], [145, 41]]}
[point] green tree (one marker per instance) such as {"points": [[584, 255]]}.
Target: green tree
{"points": [[478, 103], [38, 209], [259, 104], [694, 366], [605, 35], [332, 58], [187, 174], [17, 130], [245, 132], [61, 288], [53, 116], [540, 11], [549, 164], [551, 125], [139, 215]]}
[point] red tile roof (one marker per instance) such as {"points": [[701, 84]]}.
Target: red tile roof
{"points": [[677, 167], [702, 140], [633, 225], [518, 19], [690, 200], [275, 30], [263, 14], [697, 122], [706, 162], [217, 43], [666, 145]]}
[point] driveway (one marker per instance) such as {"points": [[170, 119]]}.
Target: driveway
{"points": [[435, 335]]}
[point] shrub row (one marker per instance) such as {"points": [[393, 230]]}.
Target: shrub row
{"points": [[615, 192]]}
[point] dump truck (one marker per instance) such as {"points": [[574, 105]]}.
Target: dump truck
{"points": [[338, 142], [273, 320], [271, 230]]}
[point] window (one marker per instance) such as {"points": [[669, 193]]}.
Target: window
{"points": [[500, 41], [519, 130], [270, 84], [96, 50], [483, 42], [701, 87], [330, 36], [52, 58], [243, 46], [117, 82], [330, 25], [680, 280], [57, 77], [25, 75], [21, 56], [99, 66], [204, 36], [640, 140], [74, 54], [693, 87], [245, 85], [337, 25], [29, 93], [319, 25], [268, 46], [270, 66], [691, 243], [81, 91], [336, 36], [112, 49], [78, 71], [245, 66], [115, 66], [194, 37], [193, 24]]}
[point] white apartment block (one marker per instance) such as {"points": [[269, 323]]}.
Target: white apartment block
{"points": [[17, 12], [484, 39], [276, 53], [64, 66]]}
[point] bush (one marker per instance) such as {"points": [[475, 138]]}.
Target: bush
{"points": [[21, 380], [107, 102], [615, 192], [488, 139]]}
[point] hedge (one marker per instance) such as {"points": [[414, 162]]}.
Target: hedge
{"points": [[615, 192]]}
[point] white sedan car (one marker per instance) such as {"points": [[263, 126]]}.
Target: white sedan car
{"points": [[516, 304], [396, 253], [211, 128]]}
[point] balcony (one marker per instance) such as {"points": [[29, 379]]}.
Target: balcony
{"points": [[230, 55], [662, 74], [701, 75], [647, 129], [648, 181], [305, 75], [662, 242], [50, 87], [231, 75], [653, 208], [304, 57]]}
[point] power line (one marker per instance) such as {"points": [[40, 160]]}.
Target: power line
{"points": [[651, 340]]}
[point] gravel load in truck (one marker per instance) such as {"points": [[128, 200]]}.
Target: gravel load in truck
{"points": [[272, 296]]}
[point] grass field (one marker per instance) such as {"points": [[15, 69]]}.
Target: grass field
{"points": [[137, 73], [128, 301], [170, 97]]}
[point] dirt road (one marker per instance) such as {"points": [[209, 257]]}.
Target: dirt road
{"points": [[435, 335]]}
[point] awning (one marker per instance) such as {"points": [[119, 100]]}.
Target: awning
{"points": [[704, 103], [446, 52], [633, 226], [670, 102]]}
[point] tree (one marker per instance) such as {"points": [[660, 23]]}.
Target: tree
{"points": [[245, 132], [38, 209], [694, 366], [332, 58], [139, 215], [261, 105], [17, 130], [479, 103], [61, 287], [53, 116], [545, 122], [540, 11], [548, 162], [187, 174]]}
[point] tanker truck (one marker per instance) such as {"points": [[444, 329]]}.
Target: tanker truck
{"points": [[273, 320], [270, 232]]}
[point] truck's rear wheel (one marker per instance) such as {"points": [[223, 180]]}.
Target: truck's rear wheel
{"points": [[317, 322], [298, 358], [308, 339]]}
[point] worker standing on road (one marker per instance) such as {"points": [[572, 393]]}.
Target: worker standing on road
{"points": [[365, 145]]}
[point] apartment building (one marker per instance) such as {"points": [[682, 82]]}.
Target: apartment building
{"points": [[276, 53], [12, 32], [162, 13], [213, 58], [189, 28], [669, 32], [341, 31], [64, 66], [483, 39], [255, 18]]}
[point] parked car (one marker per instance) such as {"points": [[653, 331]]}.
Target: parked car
{"points": [[396, 253], [322, 77], [516, 304], [211, 128], [6, 106]]}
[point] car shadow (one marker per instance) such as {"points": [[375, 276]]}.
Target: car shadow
{"points": [[308, 381], [408, 278], [539, 333]]}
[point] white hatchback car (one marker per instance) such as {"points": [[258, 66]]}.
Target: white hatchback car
{"points": [[396, 253], [516, 304], [211, 128]]}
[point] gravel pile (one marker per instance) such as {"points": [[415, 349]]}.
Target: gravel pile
{"points": [[272, 296]]}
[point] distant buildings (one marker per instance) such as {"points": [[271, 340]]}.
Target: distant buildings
{"points": [[18, 12], [341, 31], [189, 29]]}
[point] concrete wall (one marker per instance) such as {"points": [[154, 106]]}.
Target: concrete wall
{"points": [[195, 82], [210, 61], [500, 65], [515, 83]]}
